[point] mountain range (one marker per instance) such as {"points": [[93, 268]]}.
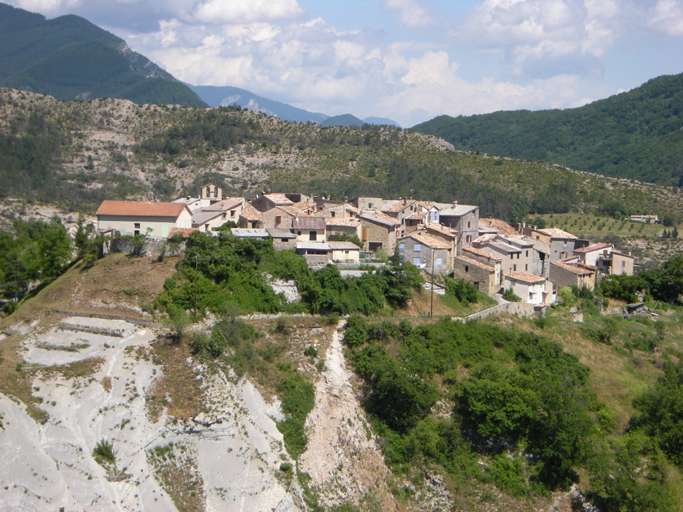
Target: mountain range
{"points": [[636, 134], [225, 96], [70, 58]]}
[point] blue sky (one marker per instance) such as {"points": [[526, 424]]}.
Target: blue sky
{"points": [[408, 60]]}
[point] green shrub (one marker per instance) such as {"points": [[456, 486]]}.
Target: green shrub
{"points": [[104, 452], [298, 398], [510, 296]]}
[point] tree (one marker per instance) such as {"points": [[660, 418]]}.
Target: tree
{"points": [[669, 219], [661, 412]]}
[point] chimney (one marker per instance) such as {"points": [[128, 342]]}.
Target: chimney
{"points": [[455, 203], [405, 201]]}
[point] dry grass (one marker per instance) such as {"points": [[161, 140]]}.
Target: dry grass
{"points": [[97, 289], [176, 470], [178, 382]]}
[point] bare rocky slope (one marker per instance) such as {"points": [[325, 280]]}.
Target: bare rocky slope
{"points": [[112, 148], [84, 365]]}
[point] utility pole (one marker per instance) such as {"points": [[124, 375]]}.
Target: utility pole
{"points": [[196, 264], [431, 298]]}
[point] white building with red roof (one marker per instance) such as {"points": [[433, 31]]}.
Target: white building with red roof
{"points": [[147, 218]]}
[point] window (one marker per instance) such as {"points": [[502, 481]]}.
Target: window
{"points": [[467, 268], [232, 213], [312, 236], [401, 247], [278, 220], [512, 256], [468, 239], [527, 254], [438, 261], [417, 248], [514, 268], [137, 225], [333, 214], [526, 268], [469, 224], [417, 261]]}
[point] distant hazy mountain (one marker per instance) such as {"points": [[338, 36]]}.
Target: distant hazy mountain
{"points": [[70, 58], [343, 120], [225, 96], [381, 121]]}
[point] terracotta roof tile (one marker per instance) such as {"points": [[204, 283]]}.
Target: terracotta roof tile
{"points": [[140, 209], [556, 233], [524, 277], [428, 240], [250, 213]]}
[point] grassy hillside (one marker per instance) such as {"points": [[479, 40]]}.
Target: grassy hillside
{"points": [[115, 149], [634, 135], [70, 58]]}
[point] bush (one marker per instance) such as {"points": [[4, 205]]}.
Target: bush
{"points": [[510, 296], [104, 452]]}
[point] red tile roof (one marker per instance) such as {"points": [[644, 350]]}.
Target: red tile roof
{"points": [[594, 247], [140, 209], [524, 277]]}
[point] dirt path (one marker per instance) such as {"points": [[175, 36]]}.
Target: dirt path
{"points": [[343, 459]]}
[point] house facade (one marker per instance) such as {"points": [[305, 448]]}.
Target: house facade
{"points": [[133, 218], [531, 289], [378, 232], [485, 278], [464, 219], [573, 273], [427, 252], [309, 229]]}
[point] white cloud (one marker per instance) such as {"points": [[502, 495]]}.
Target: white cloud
{"points": [[44, 6], [247, 11], [410, 14], [667, 18], [433, 87]]}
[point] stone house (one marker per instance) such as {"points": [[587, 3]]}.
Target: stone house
{"points": [[485, 278], [334, 227], [378, 232], [280, 217], [486, 259], [606, 259], [426, 252], [572, 272], [250, 217], [283, 239], [409, 213], [531, 289], [344, 252], [265, 202], [309, 229], [562, 244], [230, 206], [464, 219], [515, 255], [367, 203], [317, 254], [133, 218], [444, 233]]}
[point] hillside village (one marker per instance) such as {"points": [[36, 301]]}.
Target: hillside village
{"points": [[438, 238]]}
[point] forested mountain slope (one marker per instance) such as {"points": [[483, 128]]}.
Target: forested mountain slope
{"points": [[70, 58], [636, 134], [83, 152]]}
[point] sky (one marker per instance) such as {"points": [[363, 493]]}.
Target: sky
{"points": [[406, 60]]}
